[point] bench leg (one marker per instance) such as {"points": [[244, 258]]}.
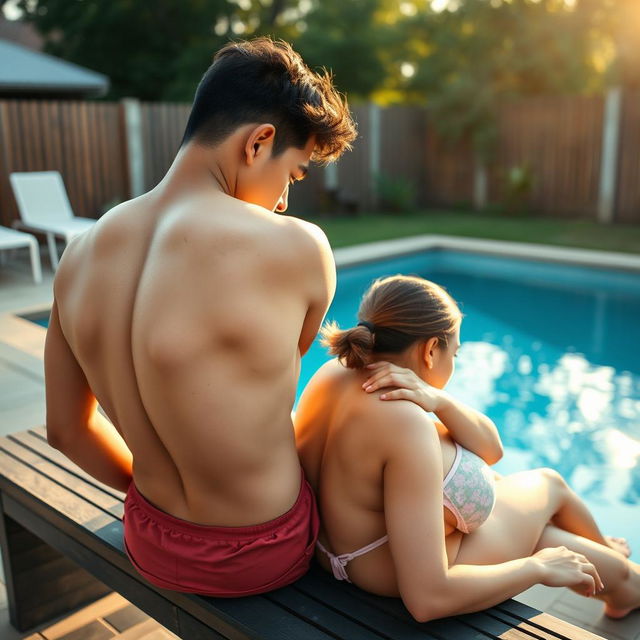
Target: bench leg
{"points": [[42, 584]]}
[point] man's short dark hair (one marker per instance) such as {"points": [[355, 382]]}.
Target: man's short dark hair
{"points": [[262, 80]]}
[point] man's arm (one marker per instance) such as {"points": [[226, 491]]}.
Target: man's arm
{"points": [[74, 425], [321, 276]]}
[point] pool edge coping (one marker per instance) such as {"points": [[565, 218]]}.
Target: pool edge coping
{"points": [[371, 251]]}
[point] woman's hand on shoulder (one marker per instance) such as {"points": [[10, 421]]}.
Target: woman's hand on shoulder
{"points": [[407, 385]]}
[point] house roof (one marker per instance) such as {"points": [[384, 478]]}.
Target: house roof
{"points": [[23, 71], [20, 32]]}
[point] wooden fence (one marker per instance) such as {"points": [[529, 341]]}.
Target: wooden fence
{"points": [[628, 201], [82, 140], [162, 130], [559, 138]]}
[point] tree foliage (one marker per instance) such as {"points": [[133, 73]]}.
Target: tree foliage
{"points": [[150, 50], [460, 61], [469, 60]]}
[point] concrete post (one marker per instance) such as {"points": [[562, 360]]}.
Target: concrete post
{"points": [[135, 148], [609, 159], [374, 153], [331, 177]]}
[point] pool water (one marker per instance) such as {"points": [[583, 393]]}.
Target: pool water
{"points": [[551, 353]]}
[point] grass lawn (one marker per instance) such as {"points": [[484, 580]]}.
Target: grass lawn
{"points": [[345, 231]]}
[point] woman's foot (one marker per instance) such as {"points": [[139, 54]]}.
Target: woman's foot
{"points": [[621, 546]]}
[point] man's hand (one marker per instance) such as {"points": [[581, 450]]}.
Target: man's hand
{"points": [[408, 386]]}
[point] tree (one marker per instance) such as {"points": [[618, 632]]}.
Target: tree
{"points": [[149, 50], [347, 38], [468, 60], [614, 30]]}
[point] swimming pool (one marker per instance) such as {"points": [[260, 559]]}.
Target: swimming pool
{"points": [[551, 352]]}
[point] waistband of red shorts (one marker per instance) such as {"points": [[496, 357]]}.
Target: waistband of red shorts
{"points": [[136, 499]]}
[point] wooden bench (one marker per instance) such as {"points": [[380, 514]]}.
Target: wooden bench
{"points": [[61, 537]]}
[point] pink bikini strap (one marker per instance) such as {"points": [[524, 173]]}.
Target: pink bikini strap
{"points": [[338, 563]]}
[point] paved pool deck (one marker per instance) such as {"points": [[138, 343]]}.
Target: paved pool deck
{"points": [[22, 407]]}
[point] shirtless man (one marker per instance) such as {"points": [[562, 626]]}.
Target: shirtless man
{"points": [[184, 314]]}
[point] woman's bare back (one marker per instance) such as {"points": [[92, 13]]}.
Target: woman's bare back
{"points": [[344, 461]]}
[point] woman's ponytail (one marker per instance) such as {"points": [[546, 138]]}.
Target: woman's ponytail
{"points": [[395, 312], [353, 347]]}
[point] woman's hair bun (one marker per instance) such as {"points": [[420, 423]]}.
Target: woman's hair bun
{"points": [[352, 347]]}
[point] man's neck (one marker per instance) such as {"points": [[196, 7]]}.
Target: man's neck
{"points": [[197, 168]]}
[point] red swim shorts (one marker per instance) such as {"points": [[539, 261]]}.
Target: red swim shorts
{"points": [[220, 561]]}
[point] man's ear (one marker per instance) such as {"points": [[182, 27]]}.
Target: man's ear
{"points": [[259, 141]]}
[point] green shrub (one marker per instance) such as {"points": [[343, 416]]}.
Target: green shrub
{"points": [[395, 194], [518, 184]]}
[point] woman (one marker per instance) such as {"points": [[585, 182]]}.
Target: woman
{"points": [[409, 505]]}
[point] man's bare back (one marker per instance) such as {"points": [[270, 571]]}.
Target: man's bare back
{"points": [[184, 314], [186, 319]]}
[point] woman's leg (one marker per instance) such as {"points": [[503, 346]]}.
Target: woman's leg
{"points": [[574, 516], [526, 502], [519, 525], [543, 493], [620, 576]]}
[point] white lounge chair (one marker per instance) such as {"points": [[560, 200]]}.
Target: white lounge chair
{"points": [[12, 239], [44, 206]]}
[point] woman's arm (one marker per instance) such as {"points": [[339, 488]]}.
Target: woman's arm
{"points": [[470, 428], [413, 513]]}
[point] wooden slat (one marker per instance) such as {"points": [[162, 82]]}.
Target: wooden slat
{"points": [[49, 493], [329, 620], [60, 476], [537, 632], [37, 442], [397, 612], [495, 627], [341, 598], [545, 621]]}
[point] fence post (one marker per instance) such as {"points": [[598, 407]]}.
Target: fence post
{"points": [[374, 153], [134, 145], [330, 176], [6, 194], [609, 159]]}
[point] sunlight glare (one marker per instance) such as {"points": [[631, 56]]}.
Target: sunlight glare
{"points": [[407, 69], [408, 9], [238, 27], [11, 10], [625, 451], [439, 5], [222, 26]]}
